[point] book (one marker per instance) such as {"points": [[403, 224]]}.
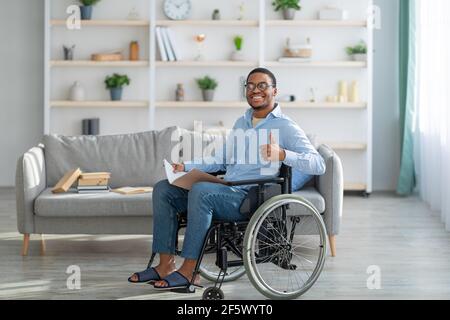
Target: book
{"points": [[162, 50], [133, 190], [167, 45], [175, 50], [93, 182], [185, 180], [67, 181], [94, 191], [95, 175], [92, 187]]}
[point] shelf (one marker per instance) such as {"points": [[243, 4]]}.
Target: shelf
{"points": [[207, 64], [318, 64], [201, 104], [90, 63], [208, 23], [346, 146], [105, 23], [244, 104], [317, 23], [323, 105], [98, 104], [350, 186]]}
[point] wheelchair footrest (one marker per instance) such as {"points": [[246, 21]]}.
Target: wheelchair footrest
{"points": [[190, 289]]}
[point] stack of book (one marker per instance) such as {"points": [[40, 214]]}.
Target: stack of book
{"points": [[95, 182], [168, 51]]}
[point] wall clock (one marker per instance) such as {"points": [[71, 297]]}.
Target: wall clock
{"points": [[177, 9]]}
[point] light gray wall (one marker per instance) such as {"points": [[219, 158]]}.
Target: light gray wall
{"points": [[21, 81], [386, 157], [21, 88]]}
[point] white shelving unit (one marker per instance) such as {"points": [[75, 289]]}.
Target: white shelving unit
{"points": [[356, 150]]}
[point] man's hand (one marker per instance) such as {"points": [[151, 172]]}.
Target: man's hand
{"points": [[272, 152], [178, 167]]}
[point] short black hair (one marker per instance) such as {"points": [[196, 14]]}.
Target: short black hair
{"points": [[265, 71]]}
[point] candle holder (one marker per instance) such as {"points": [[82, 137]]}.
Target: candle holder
{"points": [[200, 39]]}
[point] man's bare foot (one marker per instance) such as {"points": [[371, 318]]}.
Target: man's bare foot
{"points": [[163, 271]]}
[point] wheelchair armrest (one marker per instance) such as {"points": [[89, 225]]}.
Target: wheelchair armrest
{"points": [[255, 182]]}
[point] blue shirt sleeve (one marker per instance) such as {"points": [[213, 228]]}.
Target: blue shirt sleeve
{"points": [[300, 153]]}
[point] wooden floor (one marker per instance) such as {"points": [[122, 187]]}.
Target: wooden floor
{"points": [[400, 236]]}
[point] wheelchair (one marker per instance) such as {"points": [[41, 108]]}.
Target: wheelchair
{"points": [[281, 246]]}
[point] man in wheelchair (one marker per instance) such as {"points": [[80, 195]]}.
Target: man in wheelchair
{"points": [[208, 202]]}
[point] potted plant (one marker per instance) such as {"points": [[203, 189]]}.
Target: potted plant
{"points": [[115, 84], [288, 6], [237, 53], [86, 8], [358, 52], [207, 85]]}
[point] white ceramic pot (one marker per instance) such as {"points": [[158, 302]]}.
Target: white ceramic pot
{"points": [[77, 92], [360, 57], [237, 56]]}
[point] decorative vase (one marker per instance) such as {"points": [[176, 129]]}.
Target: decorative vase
{"points": [[289, 14], [360, 57], [134, 51], [68, 52], [76, 92], [116, 94], [179, 94], [216, 15], [237, 55], [86, 12], [208, 95]]}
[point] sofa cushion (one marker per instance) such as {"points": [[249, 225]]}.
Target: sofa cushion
{"points": [[72, 204], [133, 159], [313, 196]]}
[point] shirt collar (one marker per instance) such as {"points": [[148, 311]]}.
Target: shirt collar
{"points": [[276, 113]]}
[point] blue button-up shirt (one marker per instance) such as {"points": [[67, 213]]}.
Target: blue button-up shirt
{"points": [[236, 158]]}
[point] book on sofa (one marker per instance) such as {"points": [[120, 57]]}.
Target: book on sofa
{"points": [[94, 182], [133, 190], [67, 181]]}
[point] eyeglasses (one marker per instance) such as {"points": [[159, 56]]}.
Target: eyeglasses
{"points": [[262, 86]]}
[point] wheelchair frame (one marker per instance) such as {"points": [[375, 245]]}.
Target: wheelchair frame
{"points": [[222, 234]]}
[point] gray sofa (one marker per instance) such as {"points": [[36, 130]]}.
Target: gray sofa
{"points": [[133, 160]]}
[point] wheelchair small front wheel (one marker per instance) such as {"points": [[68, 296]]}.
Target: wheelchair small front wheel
{"points": [[285, 247], [213, 293]]}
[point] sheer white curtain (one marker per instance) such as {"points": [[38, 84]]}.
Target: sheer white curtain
{"points": [[432, 142]]}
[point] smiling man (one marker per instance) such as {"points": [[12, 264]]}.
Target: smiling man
{"points": [[208, 201]]}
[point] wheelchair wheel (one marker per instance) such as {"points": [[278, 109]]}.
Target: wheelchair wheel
{"points": [[285, 247]]}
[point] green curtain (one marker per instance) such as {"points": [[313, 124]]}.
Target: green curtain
{"points": [[407, 87]]}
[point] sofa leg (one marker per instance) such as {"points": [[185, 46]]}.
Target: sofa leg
{"points": [[42, 245], [26, 243], [332, 240]]}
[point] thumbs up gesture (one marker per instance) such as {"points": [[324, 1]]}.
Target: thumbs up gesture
{"points": [[272, 152]]}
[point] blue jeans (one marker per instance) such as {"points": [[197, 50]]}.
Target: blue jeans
{"points": [[204, 202]]}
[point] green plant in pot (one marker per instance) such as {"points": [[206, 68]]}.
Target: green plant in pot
{"points": [[237, 53], [288, 7], [86, 8], [115, 84], [208, 86], [358, 52]]}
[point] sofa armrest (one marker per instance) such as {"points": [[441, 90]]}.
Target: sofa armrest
{"points": [[331, 187], [30, 182]]}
